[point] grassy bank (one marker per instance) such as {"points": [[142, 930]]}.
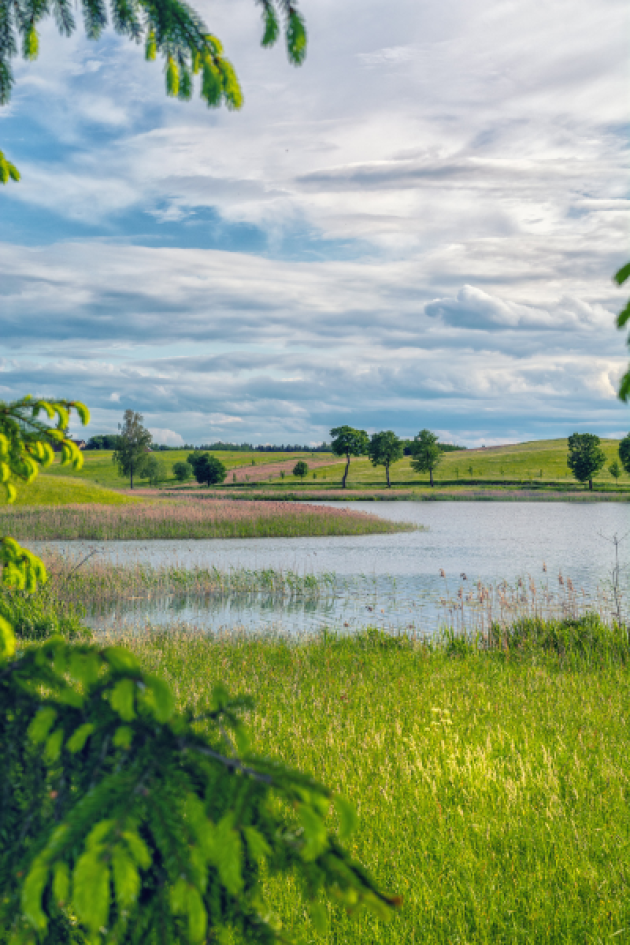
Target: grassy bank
{"points": [[68, 490], [492, 787], [182, 519]]}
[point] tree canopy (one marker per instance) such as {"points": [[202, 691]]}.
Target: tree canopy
{"points": [[426, 453], [300, 469], [586, 457], [384, 449], [132, 452], [346, 441], [209, 470]]}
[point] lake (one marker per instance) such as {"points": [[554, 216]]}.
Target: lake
{"points": [[395, 581]]}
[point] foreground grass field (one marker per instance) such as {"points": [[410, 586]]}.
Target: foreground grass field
{"points": [[492, 791]]}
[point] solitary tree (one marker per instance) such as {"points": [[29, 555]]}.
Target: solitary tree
{"points": [[615, 470], [346, 441], [132, 452], [300, 469], [586, 457], [209, 470], [384, 449], [182, 471], [426, 453]]}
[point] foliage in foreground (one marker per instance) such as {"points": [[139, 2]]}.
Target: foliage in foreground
{"points": [[492, 785], [143, 823]]}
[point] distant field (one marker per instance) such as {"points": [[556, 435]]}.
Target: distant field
{"points": [[99, 468], [541, 460]]}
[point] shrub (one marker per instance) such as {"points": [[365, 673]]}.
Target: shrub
{"points": [[182, 471]]}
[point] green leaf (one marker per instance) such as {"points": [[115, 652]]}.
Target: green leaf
{"points": [[623, 274], [228, 855], [258, 846], [623, 316], [42, 723], [138, 848], [315, 835], [61, 883], [123, 736], [53, 746], [122, 699], [347, 818], [126, 878], [121, 660], [296, 38], [91, 891], [162, 698], [98, 833], [79, 737], [624, 387], [272, 27], [179, 896], [7, 640], [197, 916], [32, 895]]}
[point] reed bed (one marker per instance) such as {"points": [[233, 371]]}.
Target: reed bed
{"points": [[92, 582], [492, 788], [477, 607], [188, 519]]}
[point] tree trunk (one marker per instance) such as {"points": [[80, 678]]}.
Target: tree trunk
{"points": [[345, 475], [131, 477], [431, 477], [389, 485], [590, 484]]}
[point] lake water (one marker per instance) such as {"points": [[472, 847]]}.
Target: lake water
{"points": [[394, 581]]}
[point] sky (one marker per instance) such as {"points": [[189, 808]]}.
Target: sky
{"points": [[416, 229]]}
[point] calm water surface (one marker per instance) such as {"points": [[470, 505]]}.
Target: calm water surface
{"points": [[388, 580]]}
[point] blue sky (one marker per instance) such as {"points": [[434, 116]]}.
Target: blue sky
{"points": [[417, 228]]}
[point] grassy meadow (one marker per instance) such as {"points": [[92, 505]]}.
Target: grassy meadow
{"points": [[492, 786], [98, 466], [535, 465]]}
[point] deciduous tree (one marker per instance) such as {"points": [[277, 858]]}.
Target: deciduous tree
{"points": [[384, 449], [426, 453], [300, 469], [346, 441], [615, 470], [209, 470], [585, 457], [132, 452]]}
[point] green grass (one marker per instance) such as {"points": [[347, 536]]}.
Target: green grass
{"points": [[492, 790], [99, 468], [69, 490], [522, 463]]}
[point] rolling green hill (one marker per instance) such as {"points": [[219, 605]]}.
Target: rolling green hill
{"points": [[98, 466], [537, 461], [67, 490]]}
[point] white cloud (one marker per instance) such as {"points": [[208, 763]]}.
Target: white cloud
{"points": [[166, 437]]}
